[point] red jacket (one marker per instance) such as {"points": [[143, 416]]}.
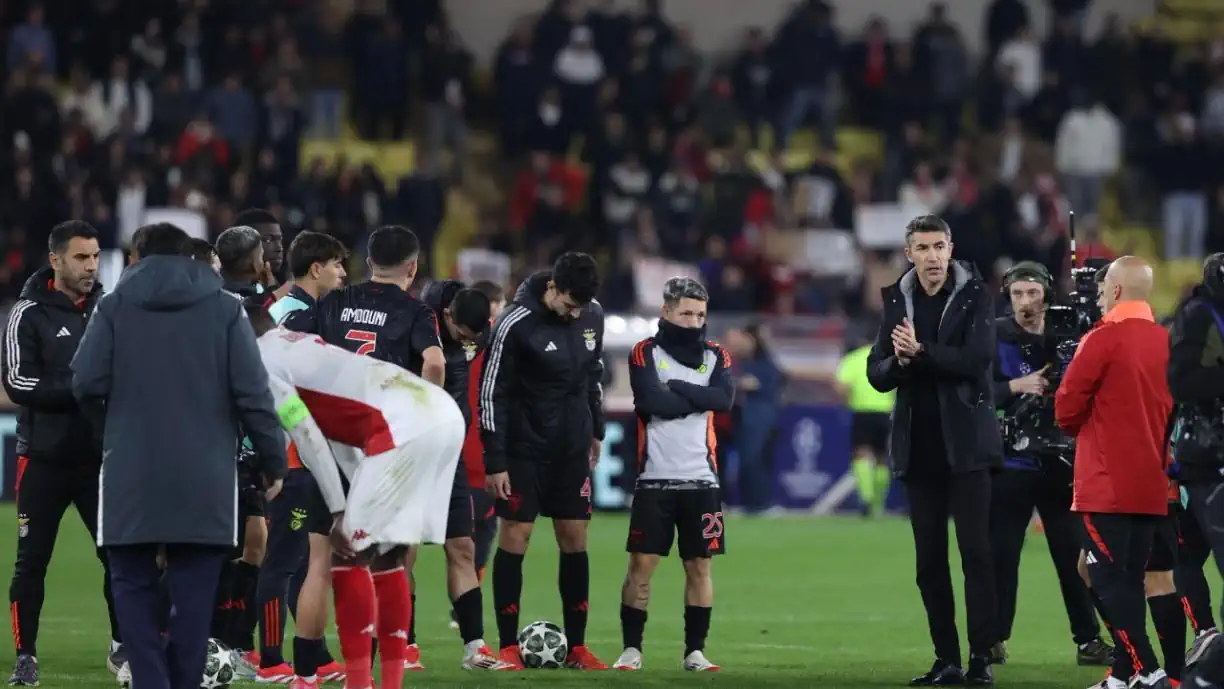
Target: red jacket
{"points": [[1115, 400], [473, 450]]}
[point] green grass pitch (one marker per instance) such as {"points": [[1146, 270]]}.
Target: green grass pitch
{"points": [[824, 603]]}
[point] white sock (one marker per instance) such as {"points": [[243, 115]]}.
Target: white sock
{"points": [[475, 644], [115, 646]]}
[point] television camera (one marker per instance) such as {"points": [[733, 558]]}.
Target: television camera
{"points": [[1030, 428]]}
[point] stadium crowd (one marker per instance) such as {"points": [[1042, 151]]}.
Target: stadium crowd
{"points": [[622, 137]]}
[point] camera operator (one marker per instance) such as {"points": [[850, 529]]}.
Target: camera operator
{"points": [[1037, 476], [1196, 380]]}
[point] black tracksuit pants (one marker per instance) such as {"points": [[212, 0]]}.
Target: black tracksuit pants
{"points": [[1118, 547], [1206, 505], [44, 493], [965, 498], [1015, 493]]}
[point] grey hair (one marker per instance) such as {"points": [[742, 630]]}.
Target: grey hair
{"points": [[678, 288], [236, 244]]}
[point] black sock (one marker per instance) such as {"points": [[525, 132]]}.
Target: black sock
{"points": [[305, 657], [246, 580], [412, 621], [469, 613], [633, 626], [507, 592], [696, 627], [574, 581], [1169, 619], [223, 611]]}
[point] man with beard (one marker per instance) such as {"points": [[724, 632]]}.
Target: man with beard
{"points": [[1034, 477], [547, 347], [57, 458], [273, 247], [679, 382]]}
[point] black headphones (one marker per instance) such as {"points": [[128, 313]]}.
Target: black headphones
{"points": [[1030, 271]]}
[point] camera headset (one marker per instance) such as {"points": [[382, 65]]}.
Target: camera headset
{"points": [[1032, 271]]}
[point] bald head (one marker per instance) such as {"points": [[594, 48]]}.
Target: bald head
{"points": [[1128, 279]]}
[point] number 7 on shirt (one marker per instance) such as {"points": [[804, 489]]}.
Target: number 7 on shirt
{"points": [[368, 339]]}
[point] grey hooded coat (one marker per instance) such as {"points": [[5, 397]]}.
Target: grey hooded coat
{"points": [[173, 359]]}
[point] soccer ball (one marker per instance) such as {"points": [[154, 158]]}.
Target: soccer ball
{"points": [[543, 644], [218, 667]]}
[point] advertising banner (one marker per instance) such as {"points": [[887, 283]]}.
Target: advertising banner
{"points": [[812, 457]]}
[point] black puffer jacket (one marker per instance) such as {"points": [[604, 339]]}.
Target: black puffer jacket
{"points": [[541, 397], [44, 328]]}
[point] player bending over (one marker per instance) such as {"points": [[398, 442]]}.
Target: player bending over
{"points": [[399, 439], [679, 380], [463, 315]]}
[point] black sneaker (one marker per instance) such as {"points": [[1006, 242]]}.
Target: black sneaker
{"points": [[941, 674], [25, 672], [116, 659], [1095, 652], [998, 653]]}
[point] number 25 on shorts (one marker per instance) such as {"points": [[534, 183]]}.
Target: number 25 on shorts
{"points": [[712, 525]]}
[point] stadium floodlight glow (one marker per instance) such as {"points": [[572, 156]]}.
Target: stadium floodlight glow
{"points": [[615, 325]]}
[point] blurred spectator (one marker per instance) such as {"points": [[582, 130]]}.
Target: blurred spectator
{"points": [[718, 112], [234, 112], [1212, 121], [323, 49], [629, 183], [1088, 151], [579, 69], [942, 62], [172, 108], [382, 90], [120, 93], [869, 67], [282, 124], [1066, 54], [150, 50], [189, 40], [31, 113], [1021, 56], [753, 77], [810, 47], [1182, 173], [446, 80], [87, 101], [683, 70], [517, 80], [923, 193], [31, 44], [759, 384], [1003, 19]]}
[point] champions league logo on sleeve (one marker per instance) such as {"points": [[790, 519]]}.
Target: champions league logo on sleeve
{"points": [[805, 481]]}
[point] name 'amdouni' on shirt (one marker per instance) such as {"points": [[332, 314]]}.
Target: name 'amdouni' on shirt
{"points": [[364, 316]]}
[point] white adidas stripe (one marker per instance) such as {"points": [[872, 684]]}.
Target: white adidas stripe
{"points": [[488, 381], [13, 348]]}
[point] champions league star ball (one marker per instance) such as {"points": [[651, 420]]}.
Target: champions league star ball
{"points": [[543, 645], [218, 667]]}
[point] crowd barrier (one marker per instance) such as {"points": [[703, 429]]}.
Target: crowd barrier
{"points": [[810, 467]]}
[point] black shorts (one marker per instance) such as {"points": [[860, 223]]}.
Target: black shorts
{"points": [[460, 513], [557, 490], [300, 507], [1163, 557], [691, 515], [483, 508], [251, 501], [871, 429]]}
